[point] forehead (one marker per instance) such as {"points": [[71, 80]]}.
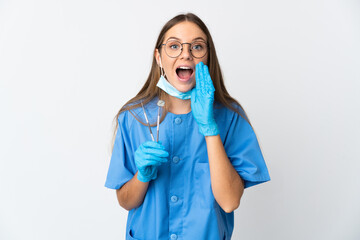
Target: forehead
{"points": [[185, 31]]}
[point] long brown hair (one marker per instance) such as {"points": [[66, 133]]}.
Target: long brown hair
{"points": [[150, 90]]}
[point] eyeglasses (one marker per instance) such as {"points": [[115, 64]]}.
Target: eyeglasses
{"points": [[173, 48]]}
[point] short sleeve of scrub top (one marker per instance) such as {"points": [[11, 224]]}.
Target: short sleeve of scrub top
{"points": [[122, 168], [243, 150]]}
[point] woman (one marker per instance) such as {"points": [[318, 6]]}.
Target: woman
{"points": [[187, 184]]}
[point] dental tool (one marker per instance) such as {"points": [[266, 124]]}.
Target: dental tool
{"points": [[147, 121], [160, 103]]}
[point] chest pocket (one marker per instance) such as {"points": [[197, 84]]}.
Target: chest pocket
{"points": [[203, 194]]}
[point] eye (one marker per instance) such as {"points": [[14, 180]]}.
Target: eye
{"points": [[198, 46], [174, 46]]}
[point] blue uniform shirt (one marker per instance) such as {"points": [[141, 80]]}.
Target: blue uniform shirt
{"points": [[179, 203]]}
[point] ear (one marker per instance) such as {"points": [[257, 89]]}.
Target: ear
{"points": [[157, 56]]}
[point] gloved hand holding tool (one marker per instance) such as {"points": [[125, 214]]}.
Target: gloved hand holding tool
{"points": [[202, 99], [148, 157]]}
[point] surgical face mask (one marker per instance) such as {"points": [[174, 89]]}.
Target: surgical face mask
{"points": [[171, 90]]}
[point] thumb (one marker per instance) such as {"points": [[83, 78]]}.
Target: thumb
{"points": [[193, 94]]}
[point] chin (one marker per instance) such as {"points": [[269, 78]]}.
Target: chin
{"points": [[185, 88]]}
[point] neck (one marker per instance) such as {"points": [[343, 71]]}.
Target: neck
{"points": [[178, 106]]}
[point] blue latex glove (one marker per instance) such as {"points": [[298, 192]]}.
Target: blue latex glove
{"points": [[148, 157], [202, 100]]}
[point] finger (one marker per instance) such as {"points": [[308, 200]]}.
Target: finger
{"points": [[209, 84], [201, 77], [193, 95], [206, 79], [147, 161], [149, 170], [155, 159], [198, 76], [152, 162], [162, 160], [152, 144], [156, 152], [155, 149]]}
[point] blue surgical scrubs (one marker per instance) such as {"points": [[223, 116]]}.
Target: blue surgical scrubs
{"points": [[179, 203]]}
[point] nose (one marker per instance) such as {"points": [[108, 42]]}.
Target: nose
{"points": [[186, 52]]}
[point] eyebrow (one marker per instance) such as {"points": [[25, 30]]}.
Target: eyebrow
{"points": [[198, 38]]}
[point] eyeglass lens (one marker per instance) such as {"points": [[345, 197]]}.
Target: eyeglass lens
{"points": [[198, 49]]}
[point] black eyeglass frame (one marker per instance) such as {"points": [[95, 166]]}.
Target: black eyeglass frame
{"points": [[207, 48]]}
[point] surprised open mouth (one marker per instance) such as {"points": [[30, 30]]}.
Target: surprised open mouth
{"points": [[184, 73]]}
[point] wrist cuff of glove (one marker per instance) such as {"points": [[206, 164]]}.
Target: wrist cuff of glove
{"points": [[209, 131]]}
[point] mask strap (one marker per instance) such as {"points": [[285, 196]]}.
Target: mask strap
{"points": [[162, 72]]}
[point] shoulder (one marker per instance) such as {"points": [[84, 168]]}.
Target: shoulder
{"points": [[225, 113], [125, 120]]}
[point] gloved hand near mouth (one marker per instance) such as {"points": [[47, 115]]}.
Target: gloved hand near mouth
{"points": [[202, 100]]}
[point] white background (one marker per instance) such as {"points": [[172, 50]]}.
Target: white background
{"points": [[66, 67]]}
